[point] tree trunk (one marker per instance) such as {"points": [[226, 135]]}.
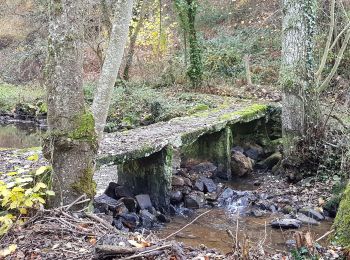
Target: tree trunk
{"points": [[195, 70], [133, 38], [297, 71], [112, 61], [71, 144]]}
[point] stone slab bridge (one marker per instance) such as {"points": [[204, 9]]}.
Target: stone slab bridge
{"points": [[146, 157]]}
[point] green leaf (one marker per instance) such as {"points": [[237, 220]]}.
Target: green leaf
{"points": [[41, 170], [50, 193], [12, 173], [34, 157], [39, 186]]}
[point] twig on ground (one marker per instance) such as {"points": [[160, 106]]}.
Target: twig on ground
{"points": [[67, 207], [173, 234], [102, 221], [323, 236]]}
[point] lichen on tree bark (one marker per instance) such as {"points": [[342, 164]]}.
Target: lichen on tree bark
{"points": [[71, 143]]}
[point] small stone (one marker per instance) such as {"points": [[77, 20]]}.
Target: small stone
{"points": [[130, 220], [287, 209], [187, 182], [147, 218], [130, 203], [306, 220], [144, 201], [121, 208], [107, 218], [257, 213], [176, 197], [237, 149], [186, 190], [291, 243], [211, 196], [240, 164], [162, 218], [195, 200], [104, 203], [204, 167], [254, 152], [311, 213], [185, 212], [286, 223], [270, 161], [227, 193], [117, 222], [209, 185], [199, 185], [177, 181]]}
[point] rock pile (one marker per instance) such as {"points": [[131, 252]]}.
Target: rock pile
{"points": [[125, 212]]}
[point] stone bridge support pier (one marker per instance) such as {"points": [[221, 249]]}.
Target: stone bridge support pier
{"points": [[151, 175]]}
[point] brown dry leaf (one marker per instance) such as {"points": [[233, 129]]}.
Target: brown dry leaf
{"points": [[92, 241], [136, 244]]}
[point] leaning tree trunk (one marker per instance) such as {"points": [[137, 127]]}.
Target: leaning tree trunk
{"points": [[296, 77], [112, 61], [133, 38], [71, 143]]}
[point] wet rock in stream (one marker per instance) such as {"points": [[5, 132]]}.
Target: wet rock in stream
{"points": [[287, 223]]}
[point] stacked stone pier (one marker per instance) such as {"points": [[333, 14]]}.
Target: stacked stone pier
{"points": [[146, 157]]}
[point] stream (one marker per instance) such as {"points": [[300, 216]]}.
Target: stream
{"points": [[209, 230], [20, 135]]}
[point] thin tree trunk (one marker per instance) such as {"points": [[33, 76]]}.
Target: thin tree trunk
{"points": [[112, 61], [71, 143], [133, 38], [297, 70]]}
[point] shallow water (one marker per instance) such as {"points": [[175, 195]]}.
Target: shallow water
{"points": [[210, 230], [19, 135]]}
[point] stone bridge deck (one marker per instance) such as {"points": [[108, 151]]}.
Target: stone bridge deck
{"points": [[146, 156]]}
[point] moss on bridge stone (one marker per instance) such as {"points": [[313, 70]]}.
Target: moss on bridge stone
{"points": [[214, 147]]}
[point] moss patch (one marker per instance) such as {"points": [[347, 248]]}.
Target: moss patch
{"points": [[85, 128], [85, 183], [342, 220], [247, 113]]}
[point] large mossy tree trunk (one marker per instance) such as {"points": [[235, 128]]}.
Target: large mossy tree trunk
{"points": [[299, 103], [71, 143], [342, 220], [112, 61]]}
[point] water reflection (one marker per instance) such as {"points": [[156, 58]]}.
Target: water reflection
{"points": [[20, 135]]}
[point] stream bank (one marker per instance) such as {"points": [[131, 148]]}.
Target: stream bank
{"points": [[265, 198]]}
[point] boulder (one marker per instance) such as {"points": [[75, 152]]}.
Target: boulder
{"points": [[287, 223], [311, 213], [204, 167], [144, 201], [110, 191], [176, 197], [306, 220], [195, 200], [177, 181], [270, 161], [254, 151], [240, 164]]}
